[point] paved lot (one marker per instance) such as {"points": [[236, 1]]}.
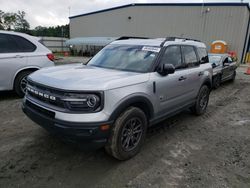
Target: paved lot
{"points": [[212, 150]]}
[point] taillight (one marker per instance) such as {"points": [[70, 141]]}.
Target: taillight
{"points": [[51, 57]]}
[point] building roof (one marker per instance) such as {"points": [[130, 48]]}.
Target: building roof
{"points": [[92, 41], [162, 4]]}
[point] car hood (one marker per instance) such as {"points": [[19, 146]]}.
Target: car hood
{"points": [[80, 77]]}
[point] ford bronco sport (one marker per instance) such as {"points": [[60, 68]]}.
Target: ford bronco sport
{"points": [[129, 85]]}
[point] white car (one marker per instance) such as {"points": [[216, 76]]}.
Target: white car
{"points": [[20, 55]]}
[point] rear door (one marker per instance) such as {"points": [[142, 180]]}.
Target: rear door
{"points": [[12, 59], [193, 72]]}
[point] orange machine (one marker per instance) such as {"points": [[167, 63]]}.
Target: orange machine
{"points": [[219, 47]]}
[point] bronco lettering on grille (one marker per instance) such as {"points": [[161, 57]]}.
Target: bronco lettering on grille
{"points": [[41, 94]]}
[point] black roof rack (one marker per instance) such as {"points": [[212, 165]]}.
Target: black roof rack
{"points": [[130, 37], [173, 39]]}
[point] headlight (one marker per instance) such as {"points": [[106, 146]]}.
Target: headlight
{"points": [[84, 102], [92, 100]]}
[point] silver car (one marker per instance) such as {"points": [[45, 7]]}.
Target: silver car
{"points": [[224, 68], [128, 86], [20, 55]]}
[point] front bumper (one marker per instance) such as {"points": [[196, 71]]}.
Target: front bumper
{"points": [[87, 135]]}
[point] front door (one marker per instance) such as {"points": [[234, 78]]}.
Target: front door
{"points": [[170, 90]]}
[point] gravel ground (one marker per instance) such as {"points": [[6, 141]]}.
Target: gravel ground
{"points": [[212, 150]]}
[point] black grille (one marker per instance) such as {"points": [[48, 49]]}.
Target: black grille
{"points": [[51, 92], [40, 110]]}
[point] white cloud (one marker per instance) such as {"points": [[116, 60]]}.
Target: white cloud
{"points": [[56, 12]]}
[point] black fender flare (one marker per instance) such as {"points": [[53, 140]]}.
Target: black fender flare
{"points": [[132, 102], [208, 82]]}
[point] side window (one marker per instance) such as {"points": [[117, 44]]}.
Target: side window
{"points": [[23, 44], [172, 55], [7, 45], [202, 52], [225, 61], [189, 55]]}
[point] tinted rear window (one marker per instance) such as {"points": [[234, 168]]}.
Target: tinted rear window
{"points": [[14, 44], [7, 45], [23, 44]]}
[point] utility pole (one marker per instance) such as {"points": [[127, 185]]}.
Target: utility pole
{"points": [[69, 10]]}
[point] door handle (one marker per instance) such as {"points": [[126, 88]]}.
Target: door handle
{"points": [[18, 56], [182, 78], [201, 73]]}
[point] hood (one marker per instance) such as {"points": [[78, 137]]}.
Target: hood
{"points": [[82, 77]]}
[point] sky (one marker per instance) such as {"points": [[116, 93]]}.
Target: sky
{"points": [[56, 12]]}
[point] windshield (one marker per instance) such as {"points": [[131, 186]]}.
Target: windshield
{"points": [[214, 59], [125, 57]]}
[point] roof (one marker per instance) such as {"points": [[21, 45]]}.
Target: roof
{"points": [[19, 34], [146, 42], [103, 41], [162, 4]]}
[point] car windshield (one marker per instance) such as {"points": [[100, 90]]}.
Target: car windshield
{"points": [[214, 59], [125, 57]]}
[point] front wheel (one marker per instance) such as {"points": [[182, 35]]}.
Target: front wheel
{"points": [[128, 134], [202, 101]]}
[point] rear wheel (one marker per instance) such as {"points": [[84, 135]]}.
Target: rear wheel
{"points": [[128, 134], [21, 83], [202, 101]]}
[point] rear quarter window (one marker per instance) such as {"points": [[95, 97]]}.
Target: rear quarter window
{"points": [[24, 45]]}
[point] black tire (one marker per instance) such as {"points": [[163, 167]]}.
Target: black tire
{"points": [[216, 81], [233, 77], [202, 101], [122, 134], [20, 83]]}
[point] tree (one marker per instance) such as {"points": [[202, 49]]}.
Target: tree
{"points": [[1, 19], [17, 22], [9, 20], [21, 23], [58, 31]]}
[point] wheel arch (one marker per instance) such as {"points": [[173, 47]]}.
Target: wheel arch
{"points": [[32, 68], [208, 82], [137, 101]]}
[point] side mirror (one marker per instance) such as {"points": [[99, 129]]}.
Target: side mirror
{"points": [[165, 69], [204, 60], [213, 65]]}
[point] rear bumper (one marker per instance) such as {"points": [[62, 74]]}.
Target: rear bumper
{"points": [[87, 135]]}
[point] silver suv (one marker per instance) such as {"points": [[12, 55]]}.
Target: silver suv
{"points": [[129, 85]]}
